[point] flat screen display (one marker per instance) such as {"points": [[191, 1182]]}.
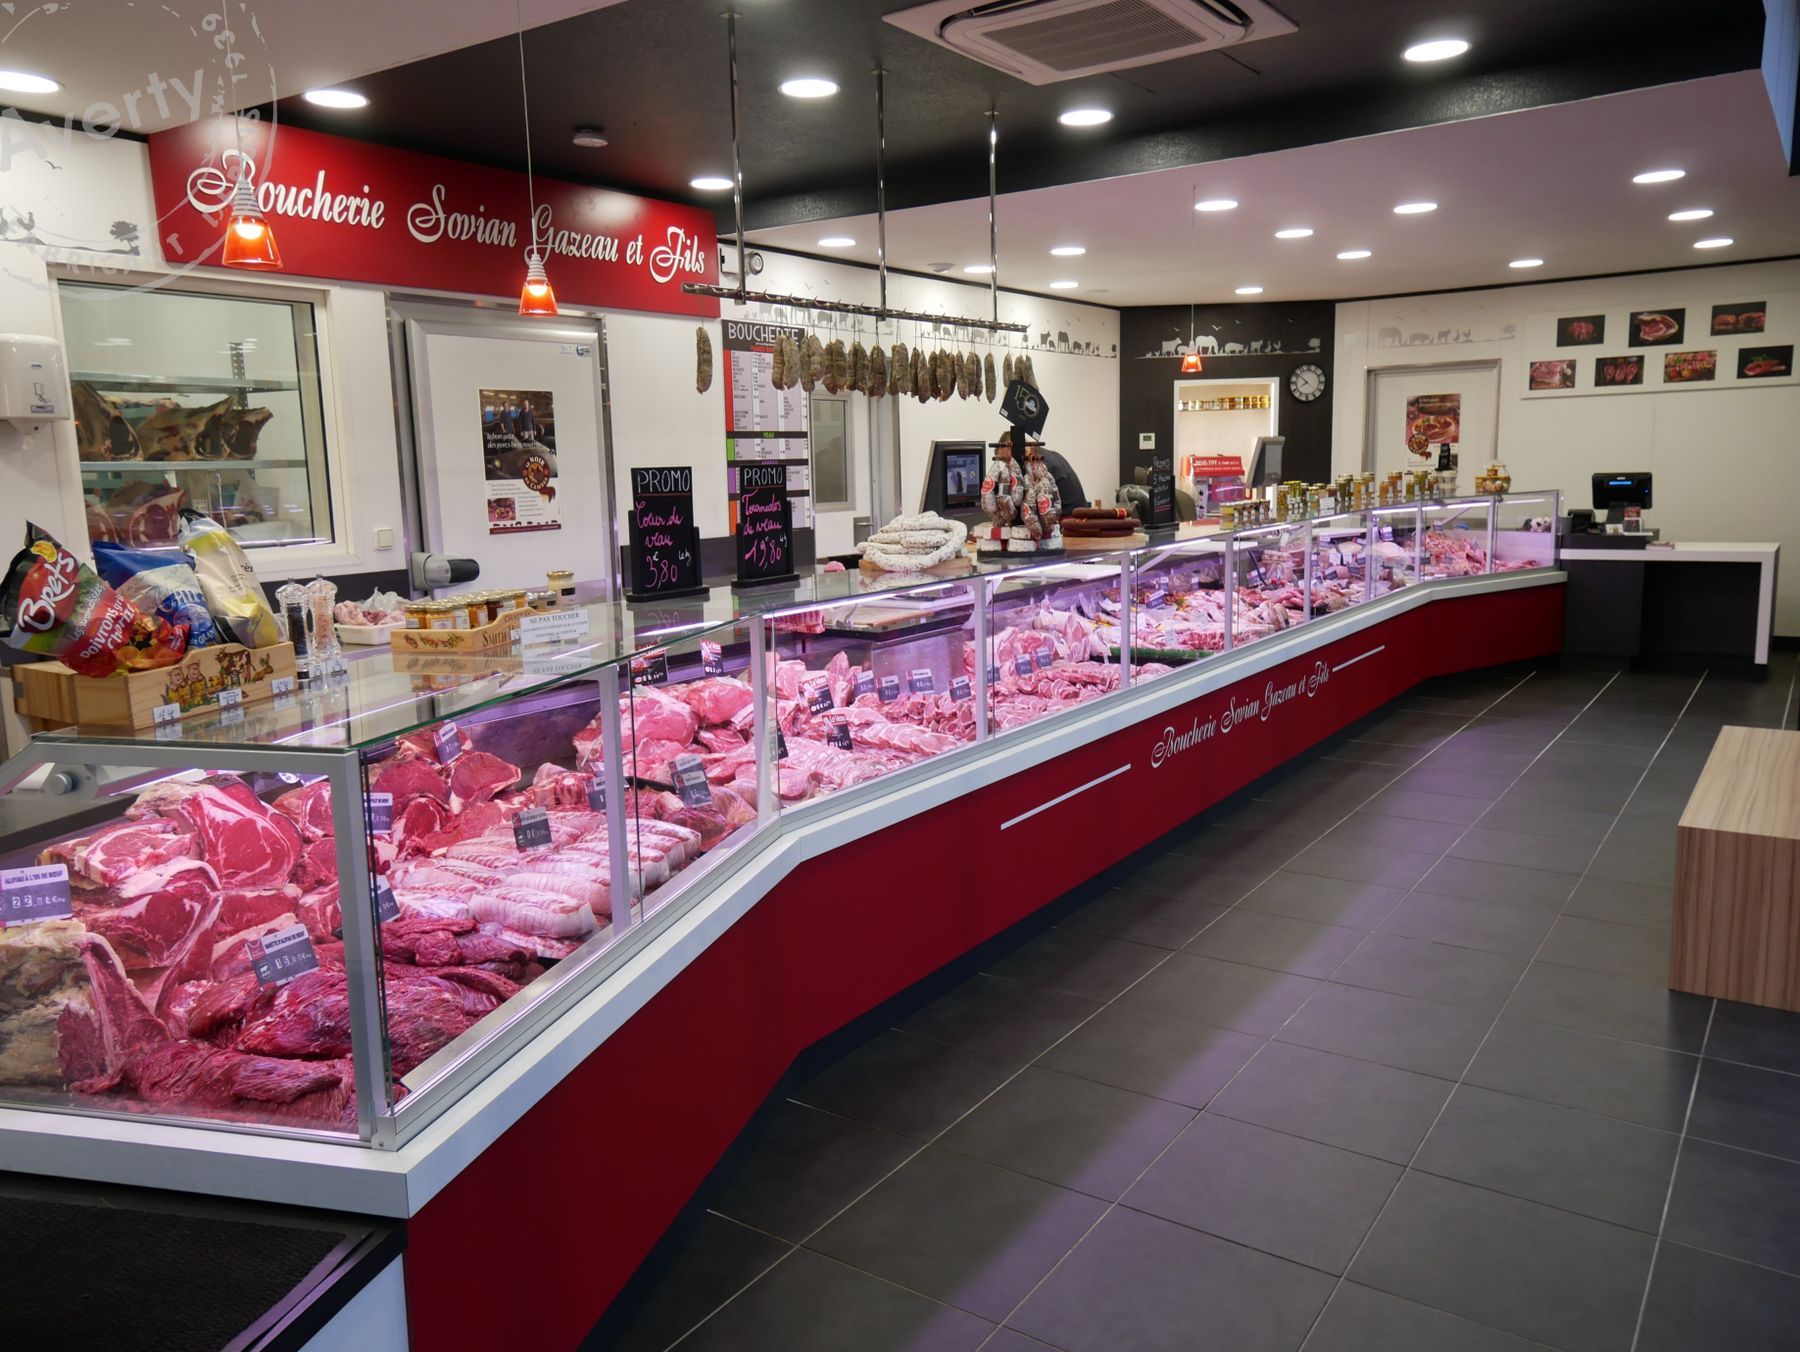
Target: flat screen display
{"points": [[962, 478]]}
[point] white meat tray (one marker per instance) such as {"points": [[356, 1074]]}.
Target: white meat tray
{"points": [[367, 635]]}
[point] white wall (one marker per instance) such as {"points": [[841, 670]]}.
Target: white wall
{"points": [[1726, 456]]}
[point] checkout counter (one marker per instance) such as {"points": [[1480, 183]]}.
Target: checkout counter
{"points": [[1631, 595]]}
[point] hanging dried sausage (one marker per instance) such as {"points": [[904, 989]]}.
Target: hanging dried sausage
{"points": [[703, 360], [901, 372], [987, 366], [859, 368], [878, 372]]}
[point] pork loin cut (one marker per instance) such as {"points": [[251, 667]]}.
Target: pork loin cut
{"points": [[531, 911]]}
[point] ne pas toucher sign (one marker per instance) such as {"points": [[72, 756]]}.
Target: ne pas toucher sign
{"points": [[356, 212]]}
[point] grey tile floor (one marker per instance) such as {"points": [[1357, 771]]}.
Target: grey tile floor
{"points": [[1377, 1057]]}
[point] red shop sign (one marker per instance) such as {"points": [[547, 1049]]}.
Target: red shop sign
{"points": [[356, 212]]}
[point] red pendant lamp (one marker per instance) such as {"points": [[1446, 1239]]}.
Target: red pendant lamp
{"points": [[1190, 362], [537, 296], [249, 242], [1190, 359]]}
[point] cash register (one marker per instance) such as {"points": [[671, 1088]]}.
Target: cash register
{"points": [[1616, 521]]}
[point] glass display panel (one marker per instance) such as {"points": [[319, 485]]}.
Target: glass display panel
{"points": [[1395, 548], [1456, 538], [190, 399], [1268, 579], [1054, 633], [1525, 531], [1340, 562], [1179, 615]]}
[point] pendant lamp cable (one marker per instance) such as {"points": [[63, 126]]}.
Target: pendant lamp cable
{"points": [[525, 105]]}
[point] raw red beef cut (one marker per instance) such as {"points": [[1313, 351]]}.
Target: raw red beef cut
{"points": [[246, 843], [553, 786], [156, 915], [714, 699], [115, 852], [240, 908], [309, 808], [319, 861], [319, 911], [419, 819], [477, 776], [309, 1017], [410, 779]]}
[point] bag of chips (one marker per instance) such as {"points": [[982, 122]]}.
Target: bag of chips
{"points": [[158, 582], [54, 606], [233, 595]]}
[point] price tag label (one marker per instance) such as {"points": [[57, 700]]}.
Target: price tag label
{"points": [[743, 718], [387, 905], [1043, 657], [1158, 596], [282, 685], [839, 736], [920, 681], [650, 669], [282, 703], [865, 683], [448, 743], [960, 688], [690, 781], [781, 751], [712, 658], [993, 673], [1022, 664], [280, 957], [818, 696], [231, 697], [596, 794], [40, 892], [553, 626], [889, 689], [381, 813], [231, 718], [165, 713], [169, 732], [531, 829]]}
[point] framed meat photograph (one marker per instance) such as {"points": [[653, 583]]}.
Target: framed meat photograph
{"points": [[1750, 316], [1611, 372], [1685, 368], [1657, 328], [1765, 363], [1580, 330], [1553, 375]]}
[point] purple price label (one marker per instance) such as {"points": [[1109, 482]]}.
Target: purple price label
{"points": [[920, 681], [993, 673], [839, 736], [818, 696], [960, 688], [531, 829], [1043, 657], [596, 794], [449, 743], [712, 658], [40, 892], [381, 813], [889, 689], [280, 957], [690, 781], [865, 683], [781, 751], [1022, 664], [387, 905]]}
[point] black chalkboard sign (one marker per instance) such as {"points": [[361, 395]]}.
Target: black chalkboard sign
{"points": [[1161, 483], [665, 542], [765, 533]]}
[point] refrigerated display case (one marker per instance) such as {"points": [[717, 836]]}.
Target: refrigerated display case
{"points": [[334, 913]]}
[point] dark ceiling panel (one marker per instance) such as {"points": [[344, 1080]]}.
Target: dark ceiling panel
{"points": [[652, 74]]}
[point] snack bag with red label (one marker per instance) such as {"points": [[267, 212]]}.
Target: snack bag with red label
{"points": [[56, 607]]}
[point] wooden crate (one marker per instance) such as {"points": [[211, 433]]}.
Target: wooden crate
{"points": [[52, 695], [1736, 932], [498, 636]]}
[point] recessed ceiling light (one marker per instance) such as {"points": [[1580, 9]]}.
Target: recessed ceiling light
{"points": [[1069, 250], [1085, 117], [1351, 255], [24, 82], [1295, 232], [592, 138], [979, 269], [710, 183], [1438, 49], [809, 87], [1414, 208], [1526, 263], [1691, 214], [1249, 291], [1719, 243], [837, 242], [1659, 176], [1064, 286], [1217, 204], [335, 98]]}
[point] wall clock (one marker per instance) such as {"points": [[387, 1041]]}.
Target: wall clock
{"points": [[1307, 382]]}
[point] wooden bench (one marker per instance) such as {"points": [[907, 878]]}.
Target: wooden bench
{"points": [[1737, 873]]}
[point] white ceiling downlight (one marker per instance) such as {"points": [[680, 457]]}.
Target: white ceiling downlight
{"points": [[1526, 263], [1295, 232], [1414, 208], [1719, 242], [1438, 49], [1351, 255], [1047, 41], [27, 82], [341, 99], [1659, 176], [1691, 214], [979, 269], [837, 242], [809, 87], [1249, 291], [589, 138], [1217, 204], [1085, 117], [710, 183], [1064, 286], [1068, 251]]}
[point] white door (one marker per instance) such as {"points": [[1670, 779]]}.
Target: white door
{"points": [[514, 470], [1455, 403]]}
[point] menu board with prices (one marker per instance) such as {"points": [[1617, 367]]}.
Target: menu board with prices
{"points": [[1161, 485], [279, 957], [40, 892], [664, 540]]}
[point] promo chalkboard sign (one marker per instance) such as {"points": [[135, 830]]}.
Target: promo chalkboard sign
{"points": [[1161, 485], [765, 533], [664, 540]]}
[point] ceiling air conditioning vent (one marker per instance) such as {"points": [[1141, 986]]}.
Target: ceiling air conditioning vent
{"points": [[1046, 41]]}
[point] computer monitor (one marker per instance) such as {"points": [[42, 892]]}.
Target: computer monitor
{"points": [[1614, 492], [962, 478], [1267, 457]]}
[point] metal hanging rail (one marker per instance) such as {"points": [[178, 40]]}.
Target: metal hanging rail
{"points": [[744, 296]]}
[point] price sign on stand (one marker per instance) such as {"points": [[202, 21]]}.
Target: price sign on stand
{"points": [[596, 794], [865, 683], [781, 751], [448, 742], [839, 735], [960, 688], [553, 626], [40, 892], [920, 681], [1022, 664], [664, 541], [712, 658], [650, 668], [765, 530], [387, 905], [1043, 657], [818, 696], [993, 673], [1161, 484], [381, 813], [889, 689], [531, 829], [280, 957], [690, 781]]}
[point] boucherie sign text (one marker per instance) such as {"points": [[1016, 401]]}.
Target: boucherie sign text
{"points": [[356, 212]]}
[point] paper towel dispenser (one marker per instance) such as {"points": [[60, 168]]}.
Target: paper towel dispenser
{"points": [[34, 380]]}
